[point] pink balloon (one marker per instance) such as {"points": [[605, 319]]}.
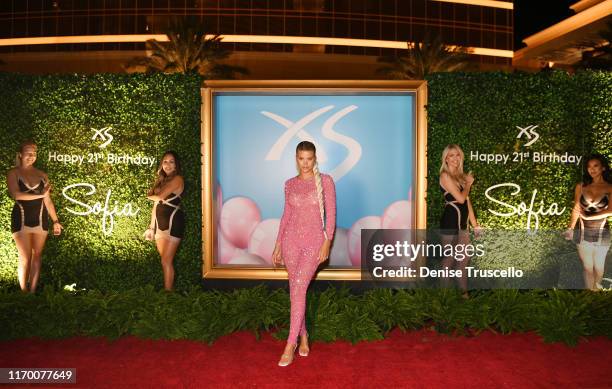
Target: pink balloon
{"points": [[263, 239], [245, 258], [398, 215], [239, 216], [226, 250], [354, 236], [339, 255]]}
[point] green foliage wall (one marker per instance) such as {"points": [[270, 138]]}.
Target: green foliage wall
{"points": [[480, 112], [148, 115]]}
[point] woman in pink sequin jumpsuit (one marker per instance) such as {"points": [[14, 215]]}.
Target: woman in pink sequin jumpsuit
{"points": [[304, 238]]}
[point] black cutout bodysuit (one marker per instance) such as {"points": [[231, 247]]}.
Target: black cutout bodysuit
{"points": [[595, 231], [30, 216], [454, 216], [169, 218]]}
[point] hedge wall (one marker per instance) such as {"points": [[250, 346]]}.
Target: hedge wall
{"points": [[148, 115], [481, 112], [151, 113]]}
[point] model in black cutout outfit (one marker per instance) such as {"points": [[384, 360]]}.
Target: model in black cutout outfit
{"points": [[30, 189], [167, 225], [456, 185], [591, 211]]}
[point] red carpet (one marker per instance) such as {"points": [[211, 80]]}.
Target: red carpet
{"points": [[420, 359]]}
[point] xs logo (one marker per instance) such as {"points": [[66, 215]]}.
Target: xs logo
{"points": [[529, 133], [297, 129], [104, 134]]}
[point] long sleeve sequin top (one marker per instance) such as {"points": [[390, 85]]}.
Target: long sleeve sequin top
{"points": [[301, 220]]}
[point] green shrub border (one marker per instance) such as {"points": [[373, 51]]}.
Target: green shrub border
{"points": [[336, 313]]}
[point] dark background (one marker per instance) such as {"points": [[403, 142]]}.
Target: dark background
{"points": [[531, 16]]}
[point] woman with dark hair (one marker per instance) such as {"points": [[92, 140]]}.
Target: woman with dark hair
{"points": [[304, 238], [167, 218], [591, 209], [30, 188]]}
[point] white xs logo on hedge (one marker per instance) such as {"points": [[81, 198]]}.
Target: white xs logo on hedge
{"points": [[530, 133], [297, 129], [104, 134], [105, 210]]}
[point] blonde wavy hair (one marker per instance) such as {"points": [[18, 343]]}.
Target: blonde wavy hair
{"points": [[309, 146], [458, 176]]}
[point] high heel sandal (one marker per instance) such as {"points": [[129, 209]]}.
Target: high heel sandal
{"points": [[285, 361], [301, 352]]}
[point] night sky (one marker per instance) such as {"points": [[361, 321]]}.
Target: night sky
{"points": [[531, 16]]}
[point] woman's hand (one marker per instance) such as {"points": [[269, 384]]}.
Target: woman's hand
{"points": [[149, 234], [324, 251], [469, 179], [57, 228], [568, 234], [276, 256], [478, 232]]}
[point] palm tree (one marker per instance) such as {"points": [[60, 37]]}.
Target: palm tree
{"points": [[600, 56], [423, 58], [188, 50]]}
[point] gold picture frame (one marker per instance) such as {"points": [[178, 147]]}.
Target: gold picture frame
{"points": [[209, 238]]}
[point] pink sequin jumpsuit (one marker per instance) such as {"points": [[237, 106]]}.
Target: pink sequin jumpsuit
{"points": [[301, 236]]}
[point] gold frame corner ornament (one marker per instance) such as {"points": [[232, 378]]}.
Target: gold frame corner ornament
{"points": [[416, 87]]}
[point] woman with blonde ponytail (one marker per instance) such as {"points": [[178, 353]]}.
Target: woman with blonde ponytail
{"points": [[30, 188], [304, 238]]}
